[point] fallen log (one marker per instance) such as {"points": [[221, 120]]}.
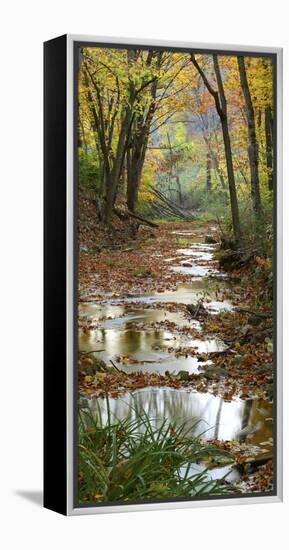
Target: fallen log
{"points": [[124, 214], [173, 208], [142, 220]]}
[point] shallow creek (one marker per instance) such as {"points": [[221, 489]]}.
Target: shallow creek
{"points": [[147, 339], [204, 414], [141, 339]]}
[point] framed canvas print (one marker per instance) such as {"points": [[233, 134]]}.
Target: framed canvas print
{"points": [[163, 288]]}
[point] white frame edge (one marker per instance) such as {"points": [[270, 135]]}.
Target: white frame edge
{"points": [[71, 509]]}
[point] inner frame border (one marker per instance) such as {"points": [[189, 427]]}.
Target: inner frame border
{"points": [[276, 54]]}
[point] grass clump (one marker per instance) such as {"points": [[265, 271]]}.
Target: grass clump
{"points": [[132, 459]]}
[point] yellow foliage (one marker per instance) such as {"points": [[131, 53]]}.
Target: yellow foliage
{"points": [[146, 196]]}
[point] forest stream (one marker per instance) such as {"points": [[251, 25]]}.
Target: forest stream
{"points": [[175, 201], [146, 332]]}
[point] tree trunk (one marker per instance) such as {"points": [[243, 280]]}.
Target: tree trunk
{"points": [[269, 146], [221, 107], [216, 165], [139, 139], [208, 174], [215, 160], [222, 104], [179, 188], [253, 149], [114, 177], [231, 180], [135, 162]]}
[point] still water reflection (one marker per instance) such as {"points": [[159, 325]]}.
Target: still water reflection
{"points": [[204, 413], [118, 336], [146, 349]]}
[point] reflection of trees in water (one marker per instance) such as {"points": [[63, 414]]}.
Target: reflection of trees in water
{"points": [[171, 405], [203, 413], [199, 411], [129, 341], [260, 415], [217, 426], [246, 418], [246, 413]]}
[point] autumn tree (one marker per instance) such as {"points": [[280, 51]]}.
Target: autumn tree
{"points": [[210, 138], [179, 124], [114, 86], [269, 145], [259, 71], [221, 108], [267, 67], [161, 101], [139, 136], [253, 148], [208, 172]]}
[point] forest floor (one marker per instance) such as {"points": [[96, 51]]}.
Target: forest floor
{"points": [[211, 329]]}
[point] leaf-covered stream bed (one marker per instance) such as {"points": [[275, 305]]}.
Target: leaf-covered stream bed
{"points": [[177, 344]]}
